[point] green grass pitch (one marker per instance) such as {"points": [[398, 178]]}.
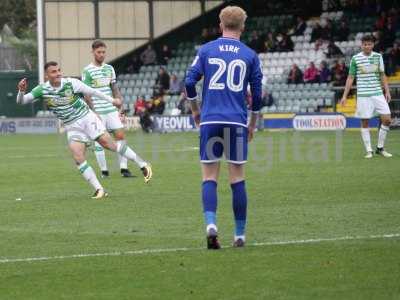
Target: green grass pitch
{"points": [[323, 222]]}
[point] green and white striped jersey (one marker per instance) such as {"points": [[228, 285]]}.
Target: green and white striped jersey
{"points": [[368, 71], [67, 104], [100, 78]]}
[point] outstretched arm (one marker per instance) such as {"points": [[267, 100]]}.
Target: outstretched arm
{"points": [[23, 98], [86, 90]]}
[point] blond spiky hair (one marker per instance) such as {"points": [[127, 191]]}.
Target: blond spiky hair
{"points": [[233, 18]]}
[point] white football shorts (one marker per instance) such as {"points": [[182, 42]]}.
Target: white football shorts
{"points": [[111, 121], [86, 129], [368, 107]]}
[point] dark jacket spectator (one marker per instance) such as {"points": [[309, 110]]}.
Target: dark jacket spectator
{"points": [[267, 99], [389, 35], [342, 32], [133, 65], [324, 73], [295, 75], [311, 74], [165, 55], [326, 30], [175, 85], [392, 58], [300, 26], [140, 106], [379, 43], [255, 42], [148, 56], [158, 105], [162, 81], [270, 42], [145, 121], [214, 33], [339, 74], [205, 36], [316, 33], [333, 50], [285, 43], [184, 105]]}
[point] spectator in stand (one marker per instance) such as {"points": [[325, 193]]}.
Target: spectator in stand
{"points": [[333, 50], [140, 106], [175, 85], [214, 33], [324, 73], [300, 26], [267, 99], [255, 42], [319, 44], [184, 105], [326, 29], [270, 43], [342, 32], [368, 8], [316, 32], [285, 43], [339, 74], [389, 35], [158, 105], [145, 119], [381, 22], [162, 81], [165, 55], [148, 56], [133, 66], [394, 17], [393, 59], [205, 36], [379, 43], [311, 74], [295, 75]]}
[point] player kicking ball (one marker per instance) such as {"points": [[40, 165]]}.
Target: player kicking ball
{"points": [[367, 66], [101, 77], [64, 98], [228, 66]]}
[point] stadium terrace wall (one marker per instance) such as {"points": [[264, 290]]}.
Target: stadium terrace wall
{"points": [[70, 26]]}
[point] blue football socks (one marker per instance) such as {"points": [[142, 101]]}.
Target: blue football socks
{"points": [[239, 205], [209, 195]]}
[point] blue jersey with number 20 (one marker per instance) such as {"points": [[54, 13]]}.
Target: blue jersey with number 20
{"points": [[228, 67]]}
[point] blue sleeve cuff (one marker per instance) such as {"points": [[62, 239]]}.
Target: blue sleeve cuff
{"points": [[191, 92]]}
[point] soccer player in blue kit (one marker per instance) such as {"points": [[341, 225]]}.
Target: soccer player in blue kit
{"points": [[228, 67]]}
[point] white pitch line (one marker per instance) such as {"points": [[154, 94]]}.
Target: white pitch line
{"points": [[169, 250]]}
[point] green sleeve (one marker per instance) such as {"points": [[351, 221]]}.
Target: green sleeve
{"points": [[86, 78], [353, 67], [37, 92]]}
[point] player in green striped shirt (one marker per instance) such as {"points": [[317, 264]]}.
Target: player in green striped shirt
{"points": [[64, 96], [367, 66], [101, 77]]}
